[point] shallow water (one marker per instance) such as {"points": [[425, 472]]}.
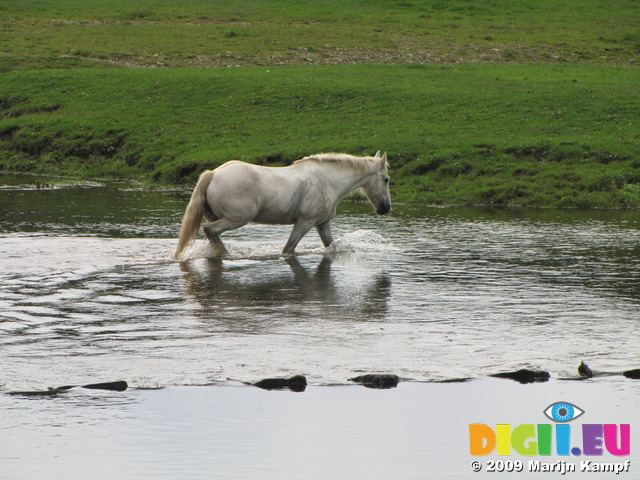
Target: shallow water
{"points": [[89, 293], [415, 431], [88, 290]]}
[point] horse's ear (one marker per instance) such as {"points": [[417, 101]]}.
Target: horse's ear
{"points": [[377, 155], [382, 163]]}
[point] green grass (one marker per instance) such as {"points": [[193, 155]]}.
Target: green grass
{"points": [[518, 135], [71, 33], [527, 102]]}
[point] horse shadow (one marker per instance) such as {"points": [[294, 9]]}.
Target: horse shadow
{"points": [[261, 291]]}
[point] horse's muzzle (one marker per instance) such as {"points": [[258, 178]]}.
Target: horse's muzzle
{"points": [[384, 208]]}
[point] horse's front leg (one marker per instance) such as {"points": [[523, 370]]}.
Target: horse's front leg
{"points": [[324, 230], [300, 229]]}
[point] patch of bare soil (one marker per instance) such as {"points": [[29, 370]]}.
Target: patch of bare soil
{"points": [[344, 56]]}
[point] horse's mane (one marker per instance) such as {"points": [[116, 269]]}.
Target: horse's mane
{"points": [[350, 160]]}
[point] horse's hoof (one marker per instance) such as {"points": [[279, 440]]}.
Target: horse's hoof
{"points": [[219, 253]]}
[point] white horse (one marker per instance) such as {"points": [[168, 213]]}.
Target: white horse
{"points": [[304, 194]]}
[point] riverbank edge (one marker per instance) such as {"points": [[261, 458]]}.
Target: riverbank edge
{"points": [[44, 181], [563, 152]]}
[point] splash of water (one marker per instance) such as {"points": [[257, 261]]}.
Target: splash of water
{"points": [[359, 241], [366, 241]]}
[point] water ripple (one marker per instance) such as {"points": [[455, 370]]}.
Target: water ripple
{"points": [[435, 295]]}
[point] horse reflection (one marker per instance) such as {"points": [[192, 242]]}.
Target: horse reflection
{"points": [[259, 294]]}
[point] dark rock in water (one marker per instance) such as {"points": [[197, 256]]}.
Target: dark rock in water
{"points": [[119, 386], [297, 383], [635, 374], [374, 380], [524, 375], [41, 393], [454, 380], [584, 370]]}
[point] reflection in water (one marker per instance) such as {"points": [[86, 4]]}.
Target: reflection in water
{"points": [[87, 208], [245, 292]]}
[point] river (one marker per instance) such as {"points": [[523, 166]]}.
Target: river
{"points": [[89, 292]]}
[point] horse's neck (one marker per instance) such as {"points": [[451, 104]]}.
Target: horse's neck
{"points": [[341, 179]]}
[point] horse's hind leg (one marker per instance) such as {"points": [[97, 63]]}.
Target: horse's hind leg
{"points": [[213, 230]]}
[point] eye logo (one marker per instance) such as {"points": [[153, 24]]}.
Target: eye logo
{"points": [[563, 412]]}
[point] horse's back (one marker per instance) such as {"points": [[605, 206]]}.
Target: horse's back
{"points": [[259, 179], [254, 193], [234, 174]]}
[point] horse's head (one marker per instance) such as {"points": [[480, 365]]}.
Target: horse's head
{"points": [[376, 188]]}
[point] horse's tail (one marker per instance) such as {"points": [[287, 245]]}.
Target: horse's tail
{"points": [[194, 212]]}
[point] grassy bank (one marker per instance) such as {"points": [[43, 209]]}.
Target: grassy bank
{"points": [[501, 102], [271, 32], [518, 135]]}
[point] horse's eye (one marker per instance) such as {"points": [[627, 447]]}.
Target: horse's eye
{"points": [[386, 179]]}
